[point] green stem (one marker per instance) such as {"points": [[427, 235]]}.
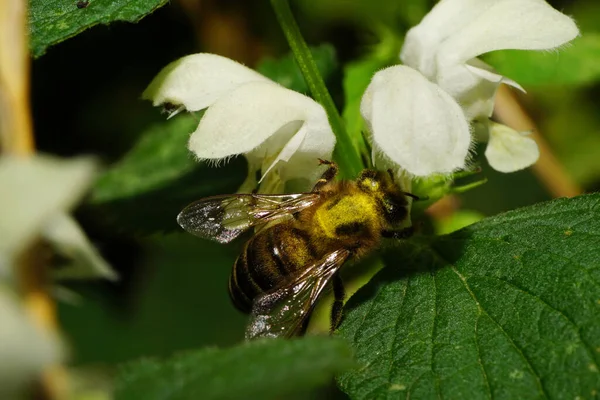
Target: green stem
{"points": [[345, 154]]}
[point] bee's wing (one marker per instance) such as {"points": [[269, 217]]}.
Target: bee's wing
{"points": [[283, 311], [223, 218]]}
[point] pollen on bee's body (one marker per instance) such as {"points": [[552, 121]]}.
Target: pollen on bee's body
{"points": [[353, 209]]}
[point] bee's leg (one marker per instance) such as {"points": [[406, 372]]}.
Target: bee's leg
{"points": [[339, 293], [401, 234], [302, 330], [327, 176]]}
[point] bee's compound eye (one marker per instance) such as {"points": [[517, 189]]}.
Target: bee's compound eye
{"points": [[394, 210]]}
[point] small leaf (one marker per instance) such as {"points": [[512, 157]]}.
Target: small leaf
{"points": [[53, 21], [575, 64], [506, 308], [146, 190], [286, 72], [265, 369]]}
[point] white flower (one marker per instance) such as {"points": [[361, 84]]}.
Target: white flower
{"points": [[37, 193], [414, 123], [281, 132], [444, 48]]}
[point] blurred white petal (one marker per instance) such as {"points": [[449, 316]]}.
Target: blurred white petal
{"points": [[35, 189], [25, 349], [415, 123], [198, 80], [70, 242], [509, 150]]}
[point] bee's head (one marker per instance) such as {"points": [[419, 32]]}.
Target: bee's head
{"points": [[380, 184]]}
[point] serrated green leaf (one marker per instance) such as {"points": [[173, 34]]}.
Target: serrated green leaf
{"points": [[158, 177], [575, 64], [265, 369], [507, 308], [53, 21], [286, 72]]}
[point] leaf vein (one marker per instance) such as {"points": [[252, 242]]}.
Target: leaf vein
{"points": [[479, 361], [514, 345], [587, 346]]}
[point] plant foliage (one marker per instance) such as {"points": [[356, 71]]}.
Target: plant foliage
{"points": [[505, 308]]}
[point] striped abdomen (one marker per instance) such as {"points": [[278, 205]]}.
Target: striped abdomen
{"points": [[267, 259]]}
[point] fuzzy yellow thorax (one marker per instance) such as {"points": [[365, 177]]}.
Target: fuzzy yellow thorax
{"points": [[358, 207]]}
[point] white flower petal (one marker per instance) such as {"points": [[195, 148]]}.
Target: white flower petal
{"points": [[290, 148], [508, 24], [68, 240], [198, 80], [474, 87], [493, 77], [33, 190], [416, 123], [445, 18], [509, 150], [318, 143], [261, 119]]}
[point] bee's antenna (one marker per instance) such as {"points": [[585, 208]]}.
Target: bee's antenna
{"points": [[414, 196]]}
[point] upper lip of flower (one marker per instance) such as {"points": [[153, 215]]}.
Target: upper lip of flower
{"points": [[246, 113], [444, 47], [456, 31]]}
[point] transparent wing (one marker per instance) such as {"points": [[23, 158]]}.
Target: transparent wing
{"points": [[223, 218], [283, 311]]}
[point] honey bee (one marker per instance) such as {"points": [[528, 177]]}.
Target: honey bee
{"points": [[302, 242]]}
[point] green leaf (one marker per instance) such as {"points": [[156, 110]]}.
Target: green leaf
{"points": [[265, 369], [286, 72], [575, 64], [52, 21], [158, 177], [508, 308]]}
